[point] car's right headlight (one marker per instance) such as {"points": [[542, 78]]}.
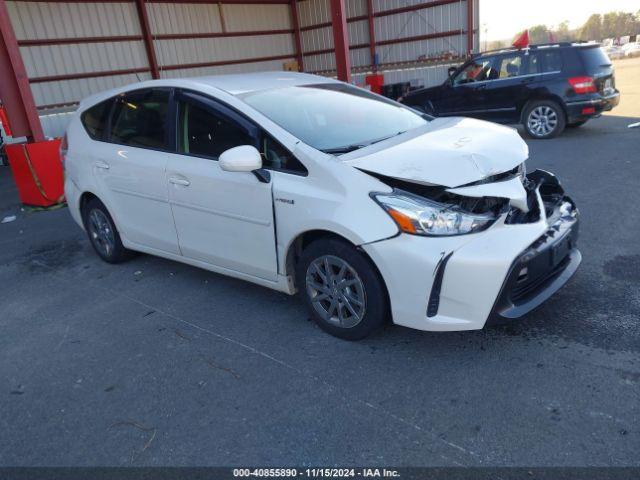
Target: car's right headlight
{"points": [[420, 216]]}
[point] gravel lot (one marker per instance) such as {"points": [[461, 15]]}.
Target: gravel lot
{"points": [[156, 363]]}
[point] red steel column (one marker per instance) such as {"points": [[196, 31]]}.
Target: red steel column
{"points": [[148, 39], [372, 35], [296, 33], [341, 40], [15, 91], [470, 23]]}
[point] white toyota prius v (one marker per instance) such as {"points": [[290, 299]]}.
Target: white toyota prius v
{"points": [[374, 212]]}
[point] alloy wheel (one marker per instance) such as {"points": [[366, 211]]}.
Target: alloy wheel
{"points": [[336, 291], [542, 121], [101, 232]]}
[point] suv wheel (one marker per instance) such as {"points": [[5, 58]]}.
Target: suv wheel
{"points": [[102, 232], [343, 291], [544, 119]]}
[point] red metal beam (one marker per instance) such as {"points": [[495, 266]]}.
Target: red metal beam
{"points": [[143, 18], [416, 38], [470, 25], [226, 62], [296, 33], [213, 2], [253, 33], [341, 40], [372, 34], [78, 76], [58, 105], [15, 91], [72, 40], [386, 13]]}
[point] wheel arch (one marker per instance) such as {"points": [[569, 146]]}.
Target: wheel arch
{"points": [[541, 97], [302, 240]]}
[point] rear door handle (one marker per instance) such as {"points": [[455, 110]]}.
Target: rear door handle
{"points": [[179, 181], [102, 165]]}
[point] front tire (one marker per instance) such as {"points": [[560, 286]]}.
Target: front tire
{"points": [[342, 289], [102, 232], [544, 119]]}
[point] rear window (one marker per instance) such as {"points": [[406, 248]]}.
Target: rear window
{"points": [[594, 58], [95, 119]]}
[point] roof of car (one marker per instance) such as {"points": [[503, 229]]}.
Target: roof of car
{"points": [[235, 84], [238, 84]]}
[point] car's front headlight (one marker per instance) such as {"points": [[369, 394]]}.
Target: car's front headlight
{"points": [[420, 216]]}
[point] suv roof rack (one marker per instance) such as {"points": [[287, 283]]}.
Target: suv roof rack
{"points": [[538, 45]]}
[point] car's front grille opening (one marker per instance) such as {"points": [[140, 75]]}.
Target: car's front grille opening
{"points": [[525, 287]]}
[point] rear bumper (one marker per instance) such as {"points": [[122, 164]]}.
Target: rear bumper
{"points": [[585, 109]]}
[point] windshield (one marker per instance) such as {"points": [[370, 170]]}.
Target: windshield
{"points": [[334, 118]]}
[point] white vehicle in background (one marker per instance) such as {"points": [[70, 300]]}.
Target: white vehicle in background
{"points": [[302, 183], [631, 50], [614, 52]]}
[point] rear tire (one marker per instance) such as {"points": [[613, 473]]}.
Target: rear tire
{"points": [[103, 234], [343, 291], [544, 119]]}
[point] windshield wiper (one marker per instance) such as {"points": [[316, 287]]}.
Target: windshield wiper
{"points": [[351, 148], [345, 149]]}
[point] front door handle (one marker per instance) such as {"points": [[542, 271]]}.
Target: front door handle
{"points": [[102, 165], [179, 181]]}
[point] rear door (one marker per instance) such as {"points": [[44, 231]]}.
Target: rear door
{"points": [[222, 218], [509, 89], [129, 168]]}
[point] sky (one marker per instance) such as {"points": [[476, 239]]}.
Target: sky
{"points": [[503, 19]]}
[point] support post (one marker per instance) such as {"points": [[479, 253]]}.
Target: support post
{"points": [[15, 91], [296, 34], [143, 18], [372, 35], [470, 24], [341, 40]]}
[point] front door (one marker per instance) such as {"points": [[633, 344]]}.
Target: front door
{"points": [[466, 95], [510, 89], [222, 218], [129, 168]]}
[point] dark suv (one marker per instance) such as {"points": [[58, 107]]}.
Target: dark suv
{"points": [[544, 87]]}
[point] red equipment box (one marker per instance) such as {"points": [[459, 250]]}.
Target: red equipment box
{"points": [[37, 171]]}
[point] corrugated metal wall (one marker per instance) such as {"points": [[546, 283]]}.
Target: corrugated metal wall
{"points": [[173, 19], [439, 19], [42, 21], [210, 29]]}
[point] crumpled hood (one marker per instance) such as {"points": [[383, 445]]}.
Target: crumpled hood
{"points": [[451, 152]]}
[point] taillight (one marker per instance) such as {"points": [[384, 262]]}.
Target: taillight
{"points": [[64, 146], [583, 85]]}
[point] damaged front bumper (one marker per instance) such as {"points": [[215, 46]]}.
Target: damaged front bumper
{"points": [[467, 282]]}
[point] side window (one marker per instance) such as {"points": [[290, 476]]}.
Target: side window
{"points": [[276, 157], [511, 66], [201, 132], [95, 119], [140, 119], [545, 62], [477, 71]]}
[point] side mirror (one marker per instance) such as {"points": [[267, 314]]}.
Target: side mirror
{"points": [[245, 158], [452, 70]]}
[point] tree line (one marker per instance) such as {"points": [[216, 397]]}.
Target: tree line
{"points": [[598, 27]]}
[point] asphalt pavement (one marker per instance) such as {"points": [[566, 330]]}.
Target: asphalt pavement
{"points": [[157, 363]]}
